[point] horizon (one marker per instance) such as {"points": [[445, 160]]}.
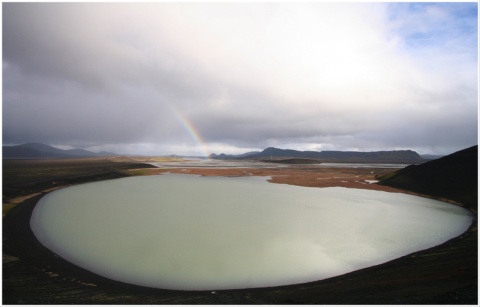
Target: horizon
{"points": [[191, 79], [62, 147]]}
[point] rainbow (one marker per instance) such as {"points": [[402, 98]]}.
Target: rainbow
{"points": [[191, 130]]}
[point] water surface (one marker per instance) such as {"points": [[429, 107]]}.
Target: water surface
{"points": [[203, 233]]}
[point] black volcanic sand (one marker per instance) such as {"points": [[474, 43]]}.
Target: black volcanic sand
{"points": [[446, 274]]}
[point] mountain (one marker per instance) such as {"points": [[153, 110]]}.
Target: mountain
{"points": [[225, 156], [394, 156], [453, 177], [43, 151]]}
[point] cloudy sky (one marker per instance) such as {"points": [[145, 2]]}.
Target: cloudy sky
{"points": [[197, 78]]}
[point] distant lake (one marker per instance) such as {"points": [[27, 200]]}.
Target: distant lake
{"points": [[204, 233], [213, 163]]}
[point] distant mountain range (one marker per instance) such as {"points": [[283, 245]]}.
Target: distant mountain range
{"points": [[43, 151], [271, 154], [453, 177], [274, 154]]}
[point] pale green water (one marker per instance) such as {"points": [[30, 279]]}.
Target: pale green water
{"points": [[205, 233]]}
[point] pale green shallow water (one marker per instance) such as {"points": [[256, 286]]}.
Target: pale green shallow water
{"points": [[204, 233]]}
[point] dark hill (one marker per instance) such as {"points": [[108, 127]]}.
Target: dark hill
{"points": [[225, 156], [43, 151], [453, 177], [393, 156], [293, 161]]}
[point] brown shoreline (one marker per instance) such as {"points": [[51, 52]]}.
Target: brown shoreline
{"points": [[34, 275]]}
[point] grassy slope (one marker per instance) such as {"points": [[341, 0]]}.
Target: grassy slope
{"points": [[453, 177]]}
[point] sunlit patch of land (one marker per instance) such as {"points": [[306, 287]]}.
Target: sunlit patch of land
{"points": [[320, 177]]}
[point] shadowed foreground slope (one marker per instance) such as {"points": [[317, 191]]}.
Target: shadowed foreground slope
{"points": [[453, 177]]}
